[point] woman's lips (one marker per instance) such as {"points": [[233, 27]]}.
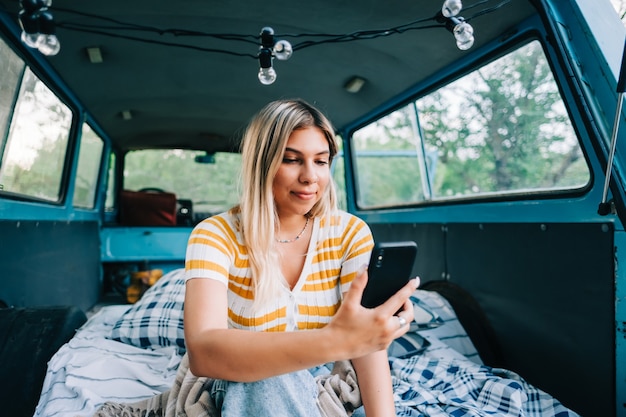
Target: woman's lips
{"points": [[304, 195]]}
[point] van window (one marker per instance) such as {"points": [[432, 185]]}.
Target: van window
{"points": [[89, 161], [338, 170], [35, 150], [210, 181], [109, 204], [620, 8], [502, 129], [11, 68]]}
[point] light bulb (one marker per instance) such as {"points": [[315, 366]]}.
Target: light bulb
{"points": [[451, 8], [464, 34], [283, 50], [31, 39], [30, 28], [49, 45], [267, 76]]}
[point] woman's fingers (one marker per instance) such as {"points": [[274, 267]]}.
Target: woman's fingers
{"points": [[404, 317], [373, 329], [355, 293], [400, 298]]}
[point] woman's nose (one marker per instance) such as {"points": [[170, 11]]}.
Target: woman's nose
{"points": [[308, 174]]}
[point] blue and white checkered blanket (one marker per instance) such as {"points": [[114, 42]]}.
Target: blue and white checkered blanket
{"points": [[435, 387]]}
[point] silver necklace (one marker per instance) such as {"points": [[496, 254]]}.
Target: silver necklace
{"points": [[297, 237]]}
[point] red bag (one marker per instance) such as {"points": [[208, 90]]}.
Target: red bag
{"points": [[143, 208]]}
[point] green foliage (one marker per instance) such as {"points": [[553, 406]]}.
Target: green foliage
{"points": [[502, 128], [37, 143], [212, 187]]}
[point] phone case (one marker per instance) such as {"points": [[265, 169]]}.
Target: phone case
{"points": [[390, 268]]}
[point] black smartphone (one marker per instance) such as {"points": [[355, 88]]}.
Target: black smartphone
{"points": [[390, 267]]}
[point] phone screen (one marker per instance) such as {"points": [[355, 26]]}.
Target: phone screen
{"points": [[390, 268]]}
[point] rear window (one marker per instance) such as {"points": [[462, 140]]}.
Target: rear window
{"points": [[210, 181]]}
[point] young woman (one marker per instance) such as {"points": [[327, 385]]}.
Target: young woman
{"points": [[274, 285]]}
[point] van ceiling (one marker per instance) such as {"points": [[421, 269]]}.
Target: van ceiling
{"points": [[189, 97]]}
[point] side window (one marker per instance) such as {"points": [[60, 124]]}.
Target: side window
{"points": [[109, 205], [387, 161], [89, 160], [11, 68], [502, 129], [338, 170], [35, 150]]}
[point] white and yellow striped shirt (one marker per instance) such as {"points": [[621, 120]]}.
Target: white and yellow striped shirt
{"points": [[338, 248]]}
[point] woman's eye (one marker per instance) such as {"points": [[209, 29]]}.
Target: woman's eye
{"points": [[322, 162], [290, 160]]}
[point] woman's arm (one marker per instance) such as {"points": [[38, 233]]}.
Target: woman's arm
{"points": [[238, 355], [374, 379]]}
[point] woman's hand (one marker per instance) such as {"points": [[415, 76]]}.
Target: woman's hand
{"points": [[362, 330]]}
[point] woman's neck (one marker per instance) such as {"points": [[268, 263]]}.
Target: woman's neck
{"points": [[292, 228]]}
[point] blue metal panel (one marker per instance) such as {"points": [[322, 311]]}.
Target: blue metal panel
{"points": [[50, 263], [620, 326], [125, 244], [31, 210], [566, 209]]}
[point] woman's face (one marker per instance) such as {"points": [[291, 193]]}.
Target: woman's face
{"points": [[304, 172]]}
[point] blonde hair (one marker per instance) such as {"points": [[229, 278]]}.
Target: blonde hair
{"points": [[262, 149]]}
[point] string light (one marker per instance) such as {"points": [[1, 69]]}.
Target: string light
{"points": [[463, 32], [268, 50], [38, 28], [38, 31], [451, 8]]}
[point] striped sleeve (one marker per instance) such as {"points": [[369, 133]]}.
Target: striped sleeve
{"points": [[349, 240], [359, 245], [211, 249]]}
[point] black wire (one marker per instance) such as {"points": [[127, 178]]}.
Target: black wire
{"points": [[359, 36], [132, 26], [488, 10], [157, 42], [118, 25]]}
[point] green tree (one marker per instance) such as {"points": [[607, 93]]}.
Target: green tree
{"points": [[502, 128]]}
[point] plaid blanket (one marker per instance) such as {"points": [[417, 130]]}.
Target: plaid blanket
{"points": [[426, 386]]}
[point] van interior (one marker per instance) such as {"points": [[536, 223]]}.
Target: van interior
{"points": [[489, 135]]}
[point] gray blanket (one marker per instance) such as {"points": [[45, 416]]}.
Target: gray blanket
{"points": [[338, 396]]}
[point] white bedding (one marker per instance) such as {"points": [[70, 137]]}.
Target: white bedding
{"points": [[91, 369]]}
